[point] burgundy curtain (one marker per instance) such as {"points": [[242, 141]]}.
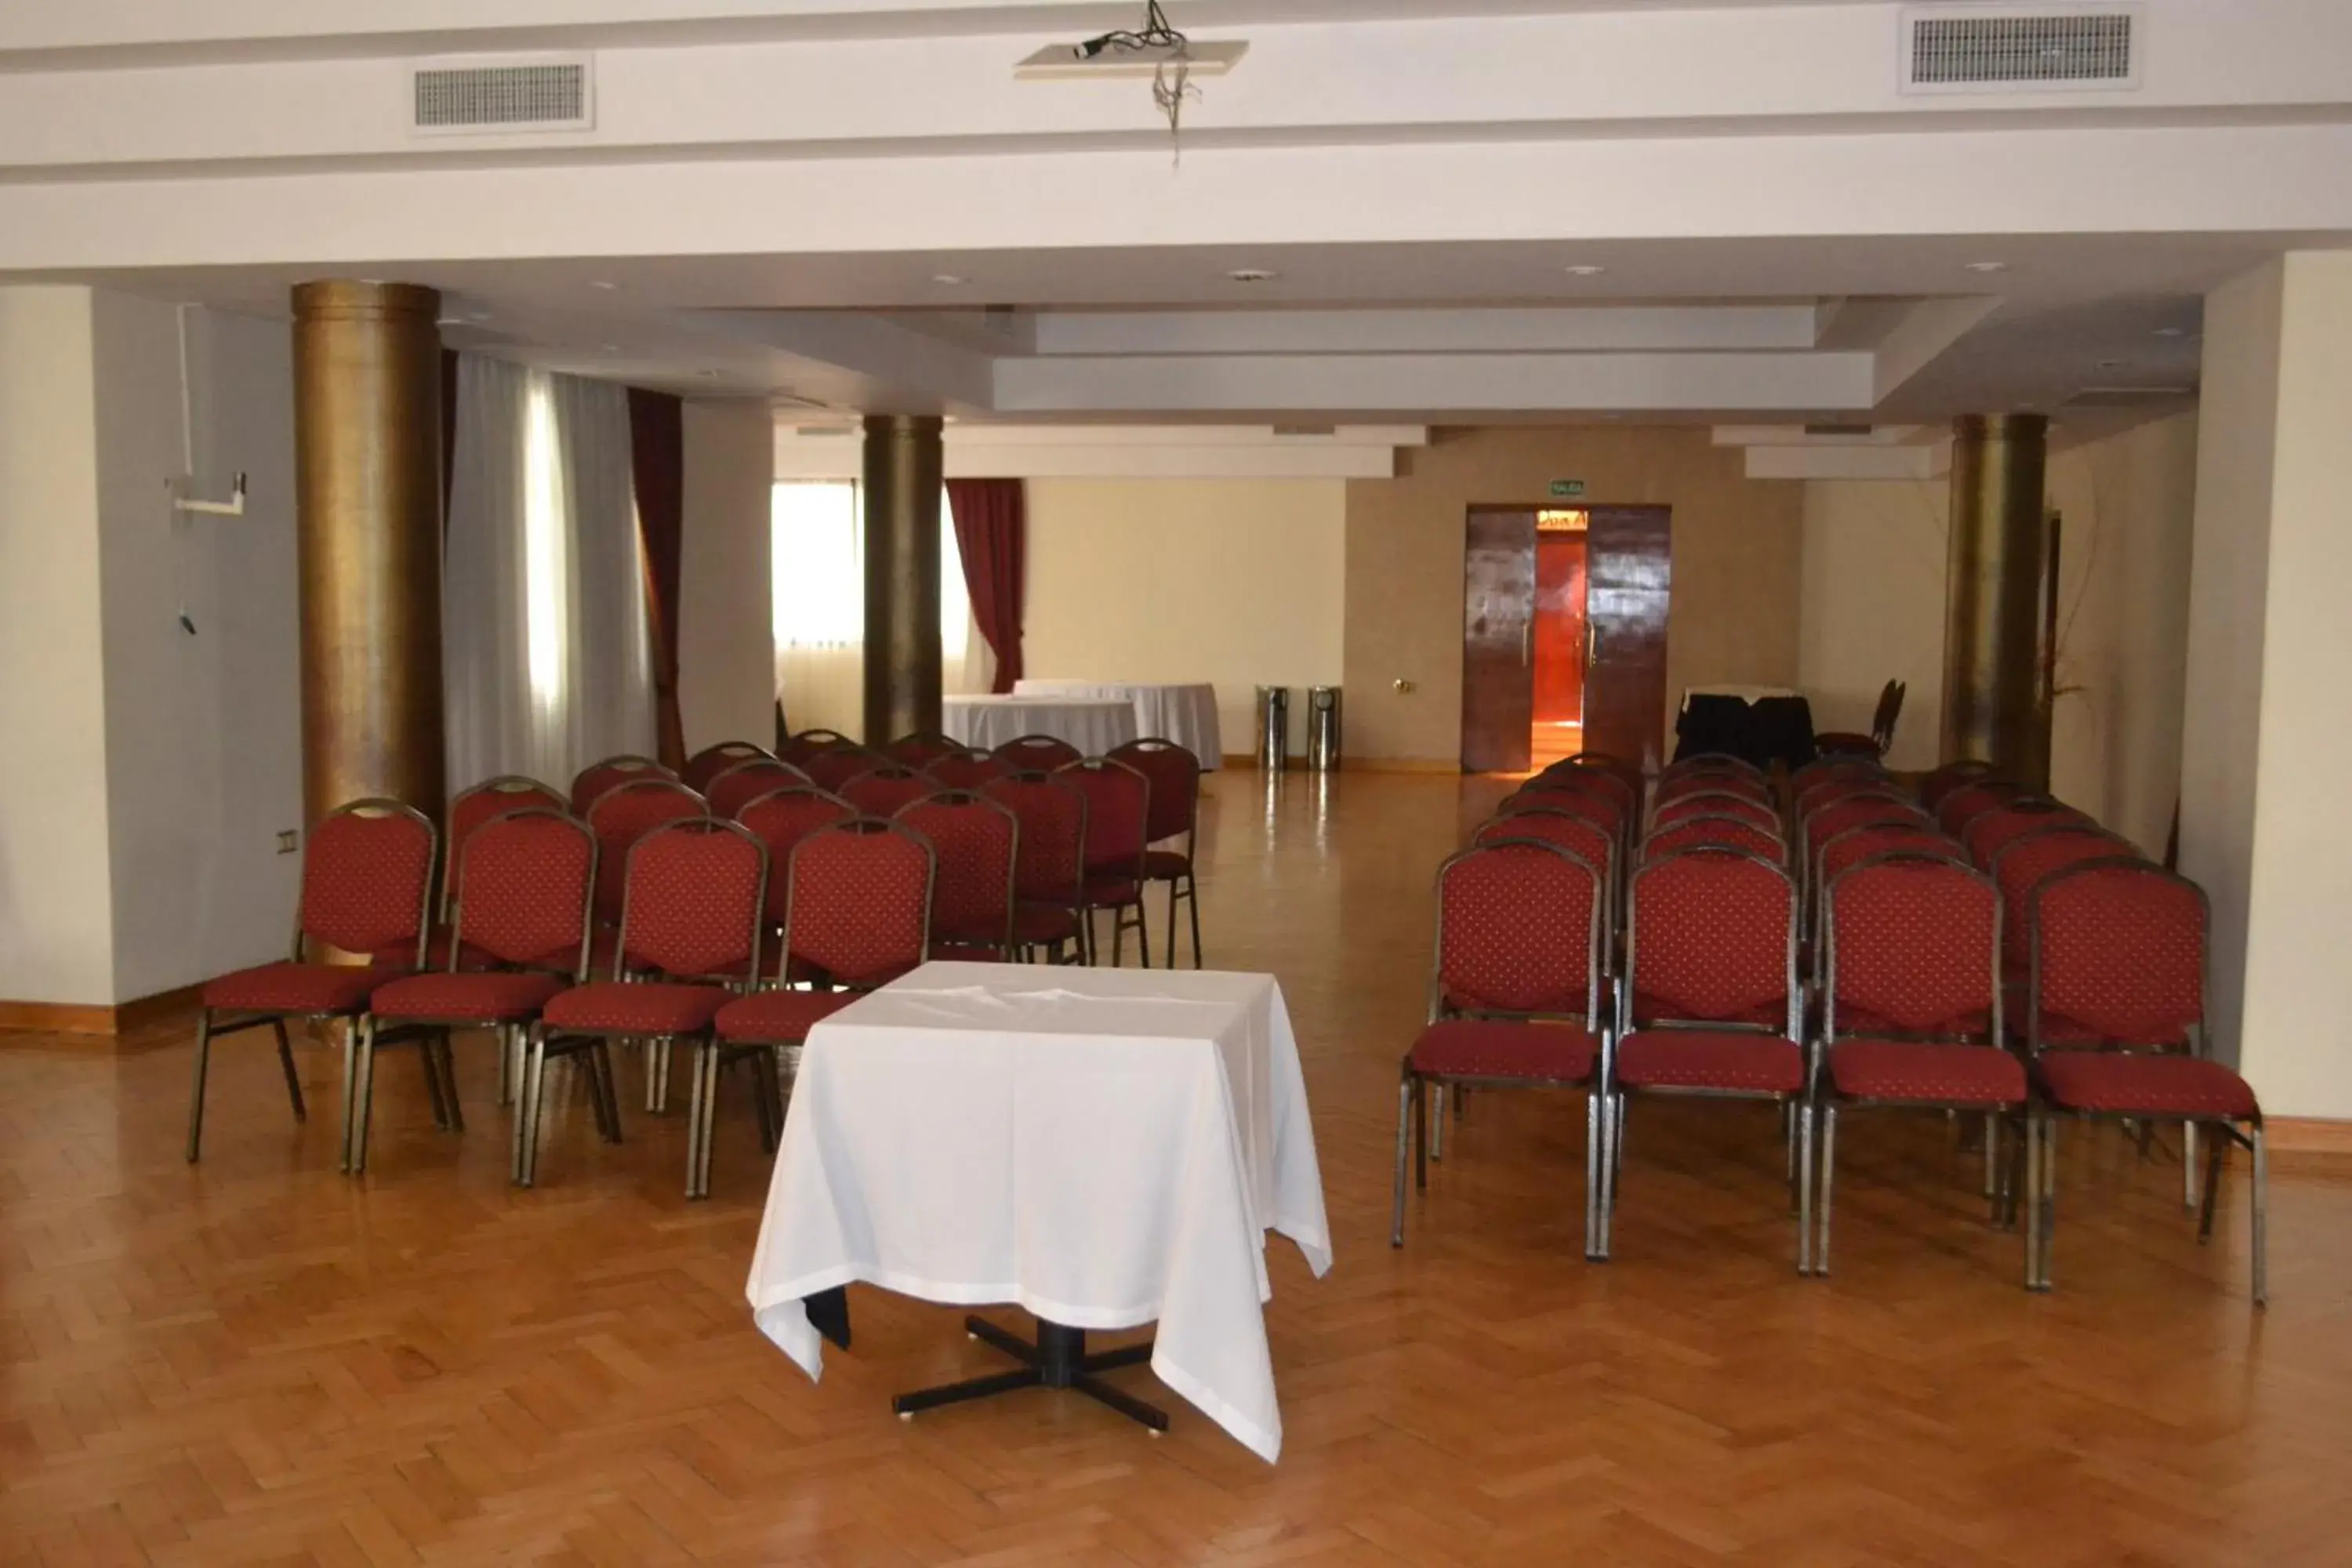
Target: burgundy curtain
{"points": [[992, 525], [657, 459]]}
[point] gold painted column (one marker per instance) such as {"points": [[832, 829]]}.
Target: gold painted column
{"points": [[1992, 626], [367, 443], [901, 500]]}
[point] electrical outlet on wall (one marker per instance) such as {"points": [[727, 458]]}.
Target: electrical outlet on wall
{"points": [[290, 839]]}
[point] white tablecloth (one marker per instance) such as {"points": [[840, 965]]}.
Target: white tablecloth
{"points": [[1186, 714], [1105, 1147], [1092, 725]]}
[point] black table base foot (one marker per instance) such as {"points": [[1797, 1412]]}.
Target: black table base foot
{"points": [[1058, 1360]]}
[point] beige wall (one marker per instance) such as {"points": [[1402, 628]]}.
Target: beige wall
{"points": [[1873, 608], [1238, 582], [726, 639], [55, 899], [1735, 566]]}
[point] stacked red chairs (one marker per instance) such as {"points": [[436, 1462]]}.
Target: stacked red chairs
{"points": [[1050, 867], [468, 810], [1037, 753], [619, 817], [707, 764], [921, 749], [598, 779], [1119, 818], [881, 791], [746, 782], [798, 749], [830, 767], [967, 769], [1988, 832], [977, 843]]}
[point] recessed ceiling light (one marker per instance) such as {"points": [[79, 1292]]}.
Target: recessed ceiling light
{"points": [[1252, 274], [1988, 266], [609, 348], [605, 283], [706, 372], [2171, 332], [1584, 270], [950, 279]]}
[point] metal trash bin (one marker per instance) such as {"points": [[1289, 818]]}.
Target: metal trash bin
{"points": [[1323, 728], [1273, 728]]}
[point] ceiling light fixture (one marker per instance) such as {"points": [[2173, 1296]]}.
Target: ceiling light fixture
{"points": [[1584, 270], [1154, 49], [1988, 266], [950, 279], [609, 348], [707, 373], [2171, 332], [1253, 274], [605, 283]]}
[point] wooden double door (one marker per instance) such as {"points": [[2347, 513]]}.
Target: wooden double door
{"points": [[1629, 577]]}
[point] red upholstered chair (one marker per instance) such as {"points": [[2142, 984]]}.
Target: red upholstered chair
{"points": [[1950, 777], [1174, 774], [977, 842], [367, 888], [621, 816], [1040, 753], [1707, 782], [1599, 806], [1049, 873], [779, 820], [798, 749], [1714, 765], [1514, 997], [531, 879], [1820, 794], [1963, 805], [598, 779], [1837, 743], [1713, 1008], [831, 767], [2019, 867], [880, 792], [967, 769], [859, 910], [1715, 803], [920, 751], [468, 810], [1911, 1007], [707, 764], [746, 782], [1827, 817], [2116, 1013], [1621, 780], [690, 922], [1581, 836], [1119, 817], [1720, 832], [1988, 832]]}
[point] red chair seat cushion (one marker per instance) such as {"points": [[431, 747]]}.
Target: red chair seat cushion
{"points": [[619, 1007], [1166, 865], [1724, 1059], [292, 988], [500, 998], [2114, 1083], [1112, 892], [1487, 1048], [1042, 925], [779, 1017], [1855, 1020], [1933, 1073]]}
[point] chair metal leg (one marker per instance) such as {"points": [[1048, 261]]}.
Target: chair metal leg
{"points": [[764, 1082], [1192, 913], [1404, 1136], [1991, 1153], [1829, 1188], [1592, 1141], [1419, 1134], [196, 1094], [363, 1100], [1437, 1124], [527, 1114], [431, 1066], [2213, 1159], [447, 1057], [1612, 1170], [505, 1037], [606, 1082], [1171, 922], [286, 1061], [2189, 1164], [658, 1055], [2261, 1216], [1804, 1187], [706, 1058], [351, 1089], [2048, 1205], [1143, 935]]}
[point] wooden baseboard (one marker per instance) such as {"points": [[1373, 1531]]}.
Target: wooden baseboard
{"points": [[98, 1023], [2309, 1135]]}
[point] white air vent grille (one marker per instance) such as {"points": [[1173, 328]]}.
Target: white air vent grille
{"points": [[538, 94], [1949, 50]]}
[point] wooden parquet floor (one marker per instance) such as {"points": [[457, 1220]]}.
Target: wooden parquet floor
{"points": [[256, 1360]]}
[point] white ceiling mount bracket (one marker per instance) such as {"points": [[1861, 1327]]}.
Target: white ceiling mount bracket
{"points": [[1062, 62], [233, 507]]}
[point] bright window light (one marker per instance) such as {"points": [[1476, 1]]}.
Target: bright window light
{"points": [[820, 575], [544, 565]]}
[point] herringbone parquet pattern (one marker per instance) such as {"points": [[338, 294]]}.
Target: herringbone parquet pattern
{"points": [[257, 1360]]}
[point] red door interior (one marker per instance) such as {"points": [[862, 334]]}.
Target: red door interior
{"points": [[1559, 638]]}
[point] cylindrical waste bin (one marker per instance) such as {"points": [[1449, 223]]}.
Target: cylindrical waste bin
{"points": [[1323, 728], [1274, 728]]}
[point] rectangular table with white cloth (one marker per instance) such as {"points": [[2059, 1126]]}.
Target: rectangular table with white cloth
{"points": [[1096, 726], [1185, 714], [1104, 1147]]}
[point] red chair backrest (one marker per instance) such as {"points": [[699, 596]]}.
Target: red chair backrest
{"points": [[1041, 754], [880, 792], [779, 820], [621, 818], [977, 842], [1174, 774], [1950, 777], [597, 780], [1119, 813], [2119, 954], [1970, 801], [1722, 832], [1815, 795], [713, 761], [1682, 786], [1913, 944], [1854, 844], [2021, 865], [860, 903], [831, 767], [1715, 803], [1599, 774], [696, 890], [967, 769], [921, 751], [746, 782], [1828, 819], [1711, 938], [1988, 832], [367, 879], [531, 882], [491, 798], [798, 749], [1596, 805], [1519, 930], [1052, 812], [1588, 840]]}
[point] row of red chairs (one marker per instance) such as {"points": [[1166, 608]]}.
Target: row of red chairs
{"points": [[1974, 947]]}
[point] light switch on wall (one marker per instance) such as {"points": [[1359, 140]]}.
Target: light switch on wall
{"points": [[290, 839]]}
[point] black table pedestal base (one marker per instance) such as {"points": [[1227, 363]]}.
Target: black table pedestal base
{"points": [[1058, 1360]]}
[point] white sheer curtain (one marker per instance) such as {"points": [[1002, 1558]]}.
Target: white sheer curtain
{"points": [[820, 609], [548, 665]]}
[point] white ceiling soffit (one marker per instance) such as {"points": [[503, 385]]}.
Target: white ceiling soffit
{"points": [[833, 451]]}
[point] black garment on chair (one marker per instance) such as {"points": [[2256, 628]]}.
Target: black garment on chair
{"points": [[1780, 728], [1712, 723]]}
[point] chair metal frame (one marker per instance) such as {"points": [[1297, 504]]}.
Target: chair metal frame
{"points": [[1029, 777], [635, 768], [1119, 921], [705, 766], [1015, 753], [785, 776], [961, 799], [1185, 887]]}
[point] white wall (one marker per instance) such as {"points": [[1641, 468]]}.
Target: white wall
{"points": [[1873, 608], [726, 639], [56, 899], [1237, 582]]}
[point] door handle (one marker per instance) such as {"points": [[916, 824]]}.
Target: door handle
{"points": [[1527, 641], [1591, 645]]}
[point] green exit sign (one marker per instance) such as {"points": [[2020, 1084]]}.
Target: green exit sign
{"points": [[1567, 490]]}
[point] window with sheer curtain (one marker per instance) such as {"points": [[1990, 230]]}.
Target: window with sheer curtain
{"points": [[820, 608]]}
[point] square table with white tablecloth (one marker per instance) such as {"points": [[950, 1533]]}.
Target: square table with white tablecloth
{"points": [[1096, 726], [1105, 1147], [1184, 713]]}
